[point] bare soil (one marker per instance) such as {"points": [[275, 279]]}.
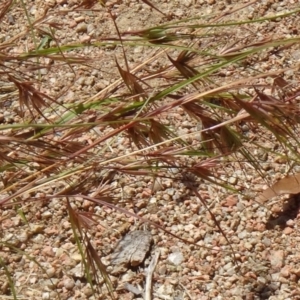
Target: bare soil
{"points": [[264, 238]]}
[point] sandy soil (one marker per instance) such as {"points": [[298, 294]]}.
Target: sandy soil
{"points": [[264, 238]]}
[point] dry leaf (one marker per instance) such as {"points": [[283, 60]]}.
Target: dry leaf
{"points": [[287, 185], [131, 250]]}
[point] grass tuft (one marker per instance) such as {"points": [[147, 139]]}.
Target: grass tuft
{"points": [[68, 147]]}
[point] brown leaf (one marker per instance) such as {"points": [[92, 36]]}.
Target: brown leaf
{"points": [[4, 8], [287, 185], [131, 81], [185, 70]]}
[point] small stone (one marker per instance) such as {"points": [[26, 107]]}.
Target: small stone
{"points": [[38, 239], [131, 250], [72, 24], [261, 280], [281, 159], [276, 259], [69, 283], [287, 230], [46, 296], [23, 236], [170, 191], [47, 215], [89, 80], [267, 242], [36, 228], [70, 75], [85, 39], [81, 80], [128, 276], [86, 204], [178, 13], [12, 239], [90, 28], [166, 197], [81, 28], [187, 3], [50, 283], [50, 3], [66, 225], [79, 19], [296, 54], [187, 124], [296, 272], [33, 279], [290, 223], [77, 257], [165, 289], [285, 272], [141, 204], [48, 251], [77, 271], [99, 86], [17, 221], [87, 291], [162, 270], [232, 180], [176, 258], [50, 272], [230, 201], [276, 208]]}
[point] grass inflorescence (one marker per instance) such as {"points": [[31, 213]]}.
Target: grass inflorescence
{"points": [[203, 67]]}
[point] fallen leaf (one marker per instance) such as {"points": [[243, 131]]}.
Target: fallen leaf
{"points": [[287, 185]]}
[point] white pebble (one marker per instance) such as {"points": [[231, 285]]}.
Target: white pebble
{"points": [[175, 258], [46, 296]]}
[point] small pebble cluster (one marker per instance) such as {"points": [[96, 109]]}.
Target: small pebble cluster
{"points": [[255, 256]]}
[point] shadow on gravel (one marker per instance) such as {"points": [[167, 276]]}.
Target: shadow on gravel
{"points": [[261, 292], [290, 210], [265, 292]]}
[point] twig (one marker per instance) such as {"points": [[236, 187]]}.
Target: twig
{"points": [[131, 288], [187, 292], [151, 269]]}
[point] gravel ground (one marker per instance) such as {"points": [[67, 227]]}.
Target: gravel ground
{"points": [[264, 238]]}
